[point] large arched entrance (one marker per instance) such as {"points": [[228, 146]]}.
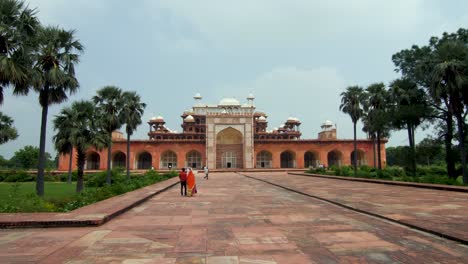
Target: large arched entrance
{"points": [[361, 158], [144, 161], [193, 159], [334, 158], [288, 159], [229, 149], [92, 161], [118, 160], [311, 159], [264, 159]]}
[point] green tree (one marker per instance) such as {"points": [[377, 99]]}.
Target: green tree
{"points": [[18, 28], [376, 107], [4, 163], [77, 126], [430, 151], [132, 112], [450, 85], [410, 108], [418, 64], [7, 131], [53, 77], [109, 104], [351, 104], [27, 158], [62, 143]]}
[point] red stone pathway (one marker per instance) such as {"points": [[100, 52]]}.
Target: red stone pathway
{"points": [[445, 212], [233, 219]]}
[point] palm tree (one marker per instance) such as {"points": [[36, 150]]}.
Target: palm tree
{"points": [[351, 103], [109, 104], [132, 112], [53, 77], [450, 85], [76, 125], [376, 108], [63, 145], [7, 131], [17, 42]]}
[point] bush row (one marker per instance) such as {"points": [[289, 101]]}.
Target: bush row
{"points": [[424, 174]]}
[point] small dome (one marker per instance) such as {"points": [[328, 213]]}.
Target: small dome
{"points": [[250, 96], [157, 119], [327, 123], [229, 102], [189, 118], [197, 96], [261, 119]]}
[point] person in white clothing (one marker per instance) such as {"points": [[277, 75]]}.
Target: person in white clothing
{"points": [[205, 169]]}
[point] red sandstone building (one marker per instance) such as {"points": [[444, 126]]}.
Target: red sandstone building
{"points": [[230, 135]]}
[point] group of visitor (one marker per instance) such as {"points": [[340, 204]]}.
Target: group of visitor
{"points": [[188, 186]]}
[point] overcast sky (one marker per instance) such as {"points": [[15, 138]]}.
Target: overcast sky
{"points": [[295, 56]]}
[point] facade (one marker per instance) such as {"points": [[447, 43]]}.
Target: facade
{"points": [[230, 135]]}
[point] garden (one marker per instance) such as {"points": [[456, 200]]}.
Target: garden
{"points": [[18, 193]]}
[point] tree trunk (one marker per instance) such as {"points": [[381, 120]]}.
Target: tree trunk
{"points": [[412, 148], [79, 179], [355, 150], [109, 158], [128, 156], [449, 157], [373, 147], [69, 179], [41, 163], [378, 151], [461, 135]]}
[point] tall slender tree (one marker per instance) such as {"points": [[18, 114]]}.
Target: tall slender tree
{"points": [[376, 107], [53, 76], [450, 85], [132, 112], [109, 105], [18, 29], [352, 104], [77, 126], [7, 131], [62, 139]]}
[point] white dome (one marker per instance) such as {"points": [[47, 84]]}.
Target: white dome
{"points": [[327, 123], [261, 118], [160, 118], [197, 96], [229, 102], [250, 96], [189, 118]]}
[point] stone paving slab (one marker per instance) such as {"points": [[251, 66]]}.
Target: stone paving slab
{"points": [[444, 212], [90, 215], [233, 219]]}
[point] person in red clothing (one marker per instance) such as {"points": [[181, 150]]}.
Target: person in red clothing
{"points": [[183, 182]]}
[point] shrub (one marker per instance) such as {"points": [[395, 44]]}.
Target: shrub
{"points": [[19, 176]]}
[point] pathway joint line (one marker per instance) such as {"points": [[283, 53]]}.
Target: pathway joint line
{"points": [[411, 226]]}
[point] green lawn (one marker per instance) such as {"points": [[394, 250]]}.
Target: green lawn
{"points": [[53, 190]]}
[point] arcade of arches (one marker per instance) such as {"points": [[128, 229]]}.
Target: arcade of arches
{"points": [[230, 135]]}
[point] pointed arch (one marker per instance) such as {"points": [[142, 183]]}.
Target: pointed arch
{"points": [[361, 158], [311, 159], [288, 159], [144, 161], [193, 159], [335, 158], [118, 159], [93, 161], [168, 159]]}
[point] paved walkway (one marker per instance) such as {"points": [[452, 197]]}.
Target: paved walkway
{"points": [[233, 219], [442, 211]]}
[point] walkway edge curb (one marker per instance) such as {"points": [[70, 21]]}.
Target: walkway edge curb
{"points": [[425, 230], [441, 187], [82, 223]]}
